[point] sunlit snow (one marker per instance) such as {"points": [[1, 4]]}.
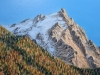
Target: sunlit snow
{"points": [[41, 27]]}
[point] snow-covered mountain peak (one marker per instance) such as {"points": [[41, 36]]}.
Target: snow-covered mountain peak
{"points": [[40, 25], [39, 22], [61, 36]]}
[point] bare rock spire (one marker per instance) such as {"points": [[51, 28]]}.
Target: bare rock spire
{"points": [[63, 10]]}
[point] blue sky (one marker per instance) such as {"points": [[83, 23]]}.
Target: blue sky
{"points": [[86, 13]]}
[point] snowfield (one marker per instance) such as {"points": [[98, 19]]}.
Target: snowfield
{"points": [[33, 28]]}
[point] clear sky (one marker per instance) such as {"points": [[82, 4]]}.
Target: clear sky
{"points": [[86, 13]]}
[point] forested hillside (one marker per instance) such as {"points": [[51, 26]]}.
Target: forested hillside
{"points": [[19, 55]]}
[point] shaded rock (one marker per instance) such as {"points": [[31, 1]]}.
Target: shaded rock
{"points": [[34, 41], [13, 25], [24, 20], [91, 62]]}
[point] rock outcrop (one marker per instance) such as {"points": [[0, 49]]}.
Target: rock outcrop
{"points": [[72, 44], [13, 25], [38, 18]]}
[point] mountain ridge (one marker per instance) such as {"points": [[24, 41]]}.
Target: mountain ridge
{"points": [[62, 37], [19, 55]]}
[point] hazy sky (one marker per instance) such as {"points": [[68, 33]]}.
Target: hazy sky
{"points": [[86, 13]]}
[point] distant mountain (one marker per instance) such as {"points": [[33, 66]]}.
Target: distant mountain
{"points": [[19, 55], [62, 37]]}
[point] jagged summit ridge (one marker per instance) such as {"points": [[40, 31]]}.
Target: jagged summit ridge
{"points": [[62, 37], [38, 18]]}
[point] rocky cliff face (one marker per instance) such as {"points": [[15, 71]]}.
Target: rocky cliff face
{"points": [[62, 37]]}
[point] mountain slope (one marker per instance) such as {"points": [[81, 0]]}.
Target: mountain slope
{"points": [[62, 37], [21, 56]]}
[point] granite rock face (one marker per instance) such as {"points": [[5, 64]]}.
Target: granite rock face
{"points": [[61, 35], [72, 44]]}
